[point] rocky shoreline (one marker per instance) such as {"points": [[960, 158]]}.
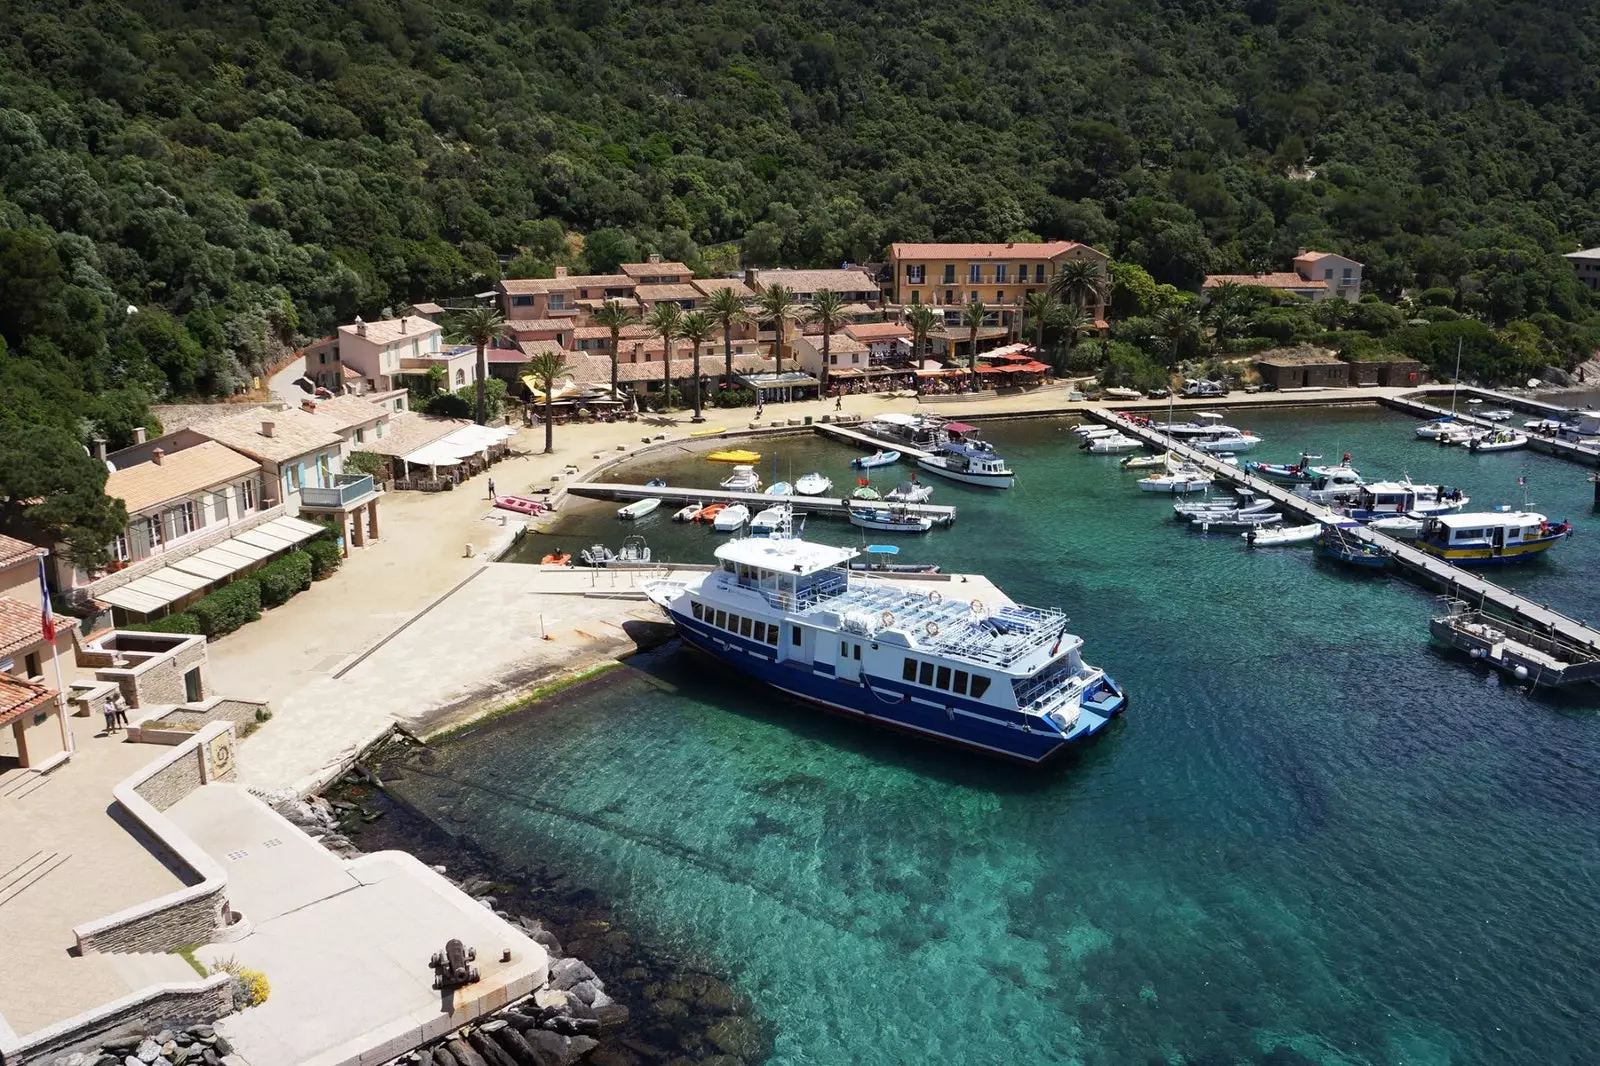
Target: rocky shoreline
{"points": [[196, 1045], [626, 1003]]}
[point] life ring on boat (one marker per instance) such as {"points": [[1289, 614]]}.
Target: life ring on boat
{"points": [[976, 605], [888, 618], [935, 596], [932, 628]]}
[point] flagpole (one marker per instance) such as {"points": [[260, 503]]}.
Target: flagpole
{"points": [[48, 631]]}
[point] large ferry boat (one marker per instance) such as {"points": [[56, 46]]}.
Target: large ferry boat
{"points": [[1490, 538], [1000, 678]]}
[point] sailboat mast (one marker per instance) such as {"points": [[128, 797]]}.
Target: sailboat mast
{"points": [[1455, 386]]}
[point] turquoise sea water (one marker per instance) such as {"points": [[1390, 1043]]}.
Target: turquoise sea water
{"points": [[1312, 838]]}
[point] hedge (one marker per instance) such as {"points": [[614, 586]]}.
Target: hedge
{"points": [[228, 608], [282, 578], [325, 556], [172, 623]]}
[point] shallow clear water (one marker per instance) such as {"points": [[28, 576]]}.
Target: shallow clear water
{"points": [[1312, 838]]}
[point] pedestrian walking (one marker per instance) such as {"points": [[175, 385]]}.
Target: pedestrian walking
{"points": [[491, 488], [121, 709], [110, 711], [838, 402]]}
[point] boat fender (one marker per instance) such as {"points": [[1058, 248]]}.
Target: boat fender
{"points": [[888, 618], [976, 605], [932, 628], [934, 597]]}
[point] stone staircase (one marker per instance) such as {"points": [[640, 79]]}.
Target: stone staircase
{"points": [[23, 873], [140, 969]]}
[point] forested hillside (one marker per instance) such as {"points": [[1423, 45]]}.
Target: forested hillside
{"points": [[247, 174]]}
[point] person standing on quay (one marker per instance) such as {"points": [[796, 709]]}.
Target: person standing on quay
{"points": [[491, 488]]}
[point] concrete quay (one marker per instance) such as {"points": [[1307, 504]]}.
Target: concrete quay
{"points": [[1586, 454]]}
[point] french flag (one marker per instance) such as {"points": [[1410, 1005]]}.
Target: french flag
{"points": [[47, 620]]}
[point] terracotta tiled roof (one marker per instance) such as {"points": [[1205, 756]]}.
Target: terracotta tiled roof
{"points": [[342, 413], [294, 433], [392, 329], [877, 331], [538, 325], [178, 475], [18, 697], [409, 431], [711, 285], [630, 332], [654, 270], [812, 280], [529, 286], [1010, 250], [527, 350], [596, 369], [12, 549], [1282, 280], [19, 625], [838, 344], [683, 291]]}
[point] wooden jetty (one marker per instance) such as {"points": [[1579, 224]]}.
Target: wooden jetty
{"points": [[1562, 449], [854, 436], [678, 495], [1419, 565]]}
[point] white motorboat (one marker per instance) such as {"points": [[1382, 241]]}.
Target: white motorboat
{"points": [[972, 462], [1236, 441], [1385, 499], [1499, 440], [1205, 422], [780, 488], [777, 520], [688, 512], [1091, 430], [889, 520], [1462, 436], [1147, 462], [1339, 483], [1432, 430], [1115, 444], [1186, 477], [1278, 535], [813, 484], [909, 492], [1545, 425], [638, 509], [731, 518], [1400, 527], [1233, 523], [1245, 503], [1500, 414], [743, 479]]}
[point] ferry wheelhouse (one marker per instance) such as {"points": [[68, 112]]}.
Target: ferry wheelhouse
{"points": [[1000, 678], [1385, 499], [1490, 538]]}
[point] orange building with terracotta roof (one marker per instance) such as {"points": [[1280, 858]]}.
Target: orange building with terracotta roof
{"points": [[1001, 274]]}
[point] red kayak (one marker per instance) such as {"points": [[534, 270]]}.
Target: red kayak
{"points": [[521, 504]]}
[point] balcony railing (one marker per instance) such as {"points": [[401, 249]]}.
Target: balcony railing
{"points": [[347, 489]]}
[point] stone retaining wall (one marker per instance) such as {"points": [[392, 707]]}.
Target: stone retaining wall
{"points": [[177, 724], [173, 781], [159, 1006]]}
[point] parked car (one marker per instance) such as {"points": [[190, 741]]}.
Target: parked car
{"points": [[1157, 394]]}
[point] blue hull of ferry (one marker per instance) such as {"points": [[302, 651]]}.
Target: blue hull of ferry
{"points": [[889, 702]]}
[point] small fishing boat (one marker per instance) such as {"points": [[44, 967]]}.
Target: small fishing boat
{"points": [[557, 558], [1276, 536], [813, 484], [776, 520], [521, 504], [656, 483], [866, 493], [1146, 462], [1545, 425], [1335, 543], [1091, 430], [688, 512], [1185, 477], [1235, 441], [973, 462], [1232, 523], [1461, 436], [877, 564], [1400, 527], [910, 492], [743, 479], [735, 455], [1432, 430], [1490, 538], [780, 488], [731, 518], [876, 459], [1335, 483], [1298, 473], [1122, 394], [1499, 414], [1500, 440], [889, 520], [710, 511], [1112, 445], [1244, 503], [1385, 499], [708, 432], [1205, 422], [637, 509]]}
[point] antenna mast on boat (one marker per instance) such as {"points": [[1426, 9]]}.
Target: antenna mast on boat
{"points": [[1455, 387]]}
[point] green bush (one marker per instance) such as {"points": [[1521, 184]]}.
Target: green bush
{"points": [[282, 578], [228, 608], [721, 397], [325, 557], [172, 623], [365, 463]]}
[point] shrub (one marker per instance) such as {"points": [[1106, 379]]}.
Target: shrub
{"points": [[172, 623], [448, 405], [284, 577], [325, 557], [250, 987], [721, 397], [365, 463], [228, 608]]}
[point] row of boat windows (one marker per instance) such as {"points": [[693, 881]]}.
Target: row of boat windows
{"points": [[765, 632], [943, 677]]}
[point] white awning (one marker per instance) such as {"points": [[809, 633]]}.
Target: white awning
{"points": [[193, 573], [435, 454], [154, 590]]}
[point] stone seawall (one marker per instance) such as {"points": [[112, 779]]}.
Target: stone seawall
{"points": [[148, 1010]]}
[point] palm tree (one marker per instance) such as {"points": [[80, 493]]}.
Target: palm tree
{"points": [[1174, 326], [481, 326], [826, 307], [665, 318], [697, 328], [972, 316], [615, 317], [727, 310], [922, 320], [545, 368], [778, 306], [1041, 308], [1078, 281], [1073, 322]]}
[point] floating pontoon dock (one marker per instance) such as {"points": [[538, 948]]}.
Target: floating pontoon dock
{"points": [[823, 505]]}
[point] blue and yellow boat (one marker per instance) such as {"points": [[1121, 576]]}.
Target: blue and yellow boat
{"points": [[1490, 538]]}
